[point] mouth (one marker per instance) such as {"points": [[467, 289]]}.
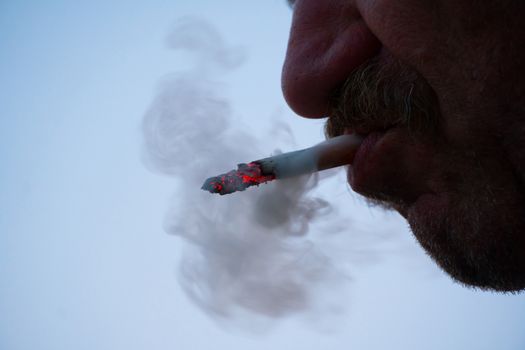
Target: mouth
{"points": [[365, 155], [367, 147], [371, 137], [377, 171], [390, 168]]}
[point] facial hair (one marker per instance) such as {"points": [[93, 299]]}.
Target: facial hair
{"points": [[476, 237]]}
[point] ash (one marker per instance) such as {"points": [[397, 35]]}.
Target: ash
{"points": [[245, 176]]}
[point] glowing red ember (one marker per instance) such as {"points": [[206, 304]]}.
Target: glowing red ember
{"points": [[245, 176]]}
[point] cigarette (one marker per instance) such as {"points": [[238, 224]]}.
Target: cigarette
{"points": [[329, 154]]}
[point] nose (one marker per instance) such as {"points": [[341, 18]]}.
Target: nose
{"points": [[328, 40]]}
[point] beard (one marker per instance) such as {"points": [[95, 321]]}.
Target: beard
{"points": [[477, 236], [473, 230]]}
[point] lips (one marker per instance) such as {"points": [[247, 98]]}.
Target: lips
{"points": [[372, 169], [390, 166], [365, 152], [367, 147]]}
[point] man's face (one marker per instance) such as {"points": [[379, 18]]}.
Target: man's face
{"points": [[438, 87]]}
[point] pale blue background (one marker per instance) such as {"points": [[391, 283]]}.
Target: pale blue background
{"points": [[84, 262]]}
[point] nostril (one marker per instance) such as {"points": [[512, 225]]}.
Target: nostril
{"points": [[321, 54]]}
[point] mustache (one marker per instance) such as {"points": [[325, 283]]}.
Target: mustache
{"points": [[379, 95]]}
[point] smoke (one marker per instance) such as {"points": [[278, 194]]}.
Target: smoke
{"points": [[247, 253]]}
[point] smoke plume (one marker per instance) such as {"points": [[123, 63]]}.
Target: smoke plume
{"points": [[247, 253]]}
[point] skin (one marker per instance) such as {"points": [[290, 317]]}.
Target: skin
{"points": [[444, 83]]}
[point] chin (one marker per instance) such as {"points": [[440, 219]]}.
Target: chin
{"points": [[477, 240]]}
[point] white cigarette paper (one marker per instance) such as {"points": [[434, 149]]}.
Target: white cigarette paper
{"points": [[329, 154]]}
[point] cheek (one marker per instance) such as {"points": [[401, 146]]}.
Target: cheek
{"points": [[410, 29]]}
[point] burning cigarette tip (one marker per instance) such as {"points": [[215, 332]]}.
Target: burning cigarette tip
{"points": [[245, 176]]}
